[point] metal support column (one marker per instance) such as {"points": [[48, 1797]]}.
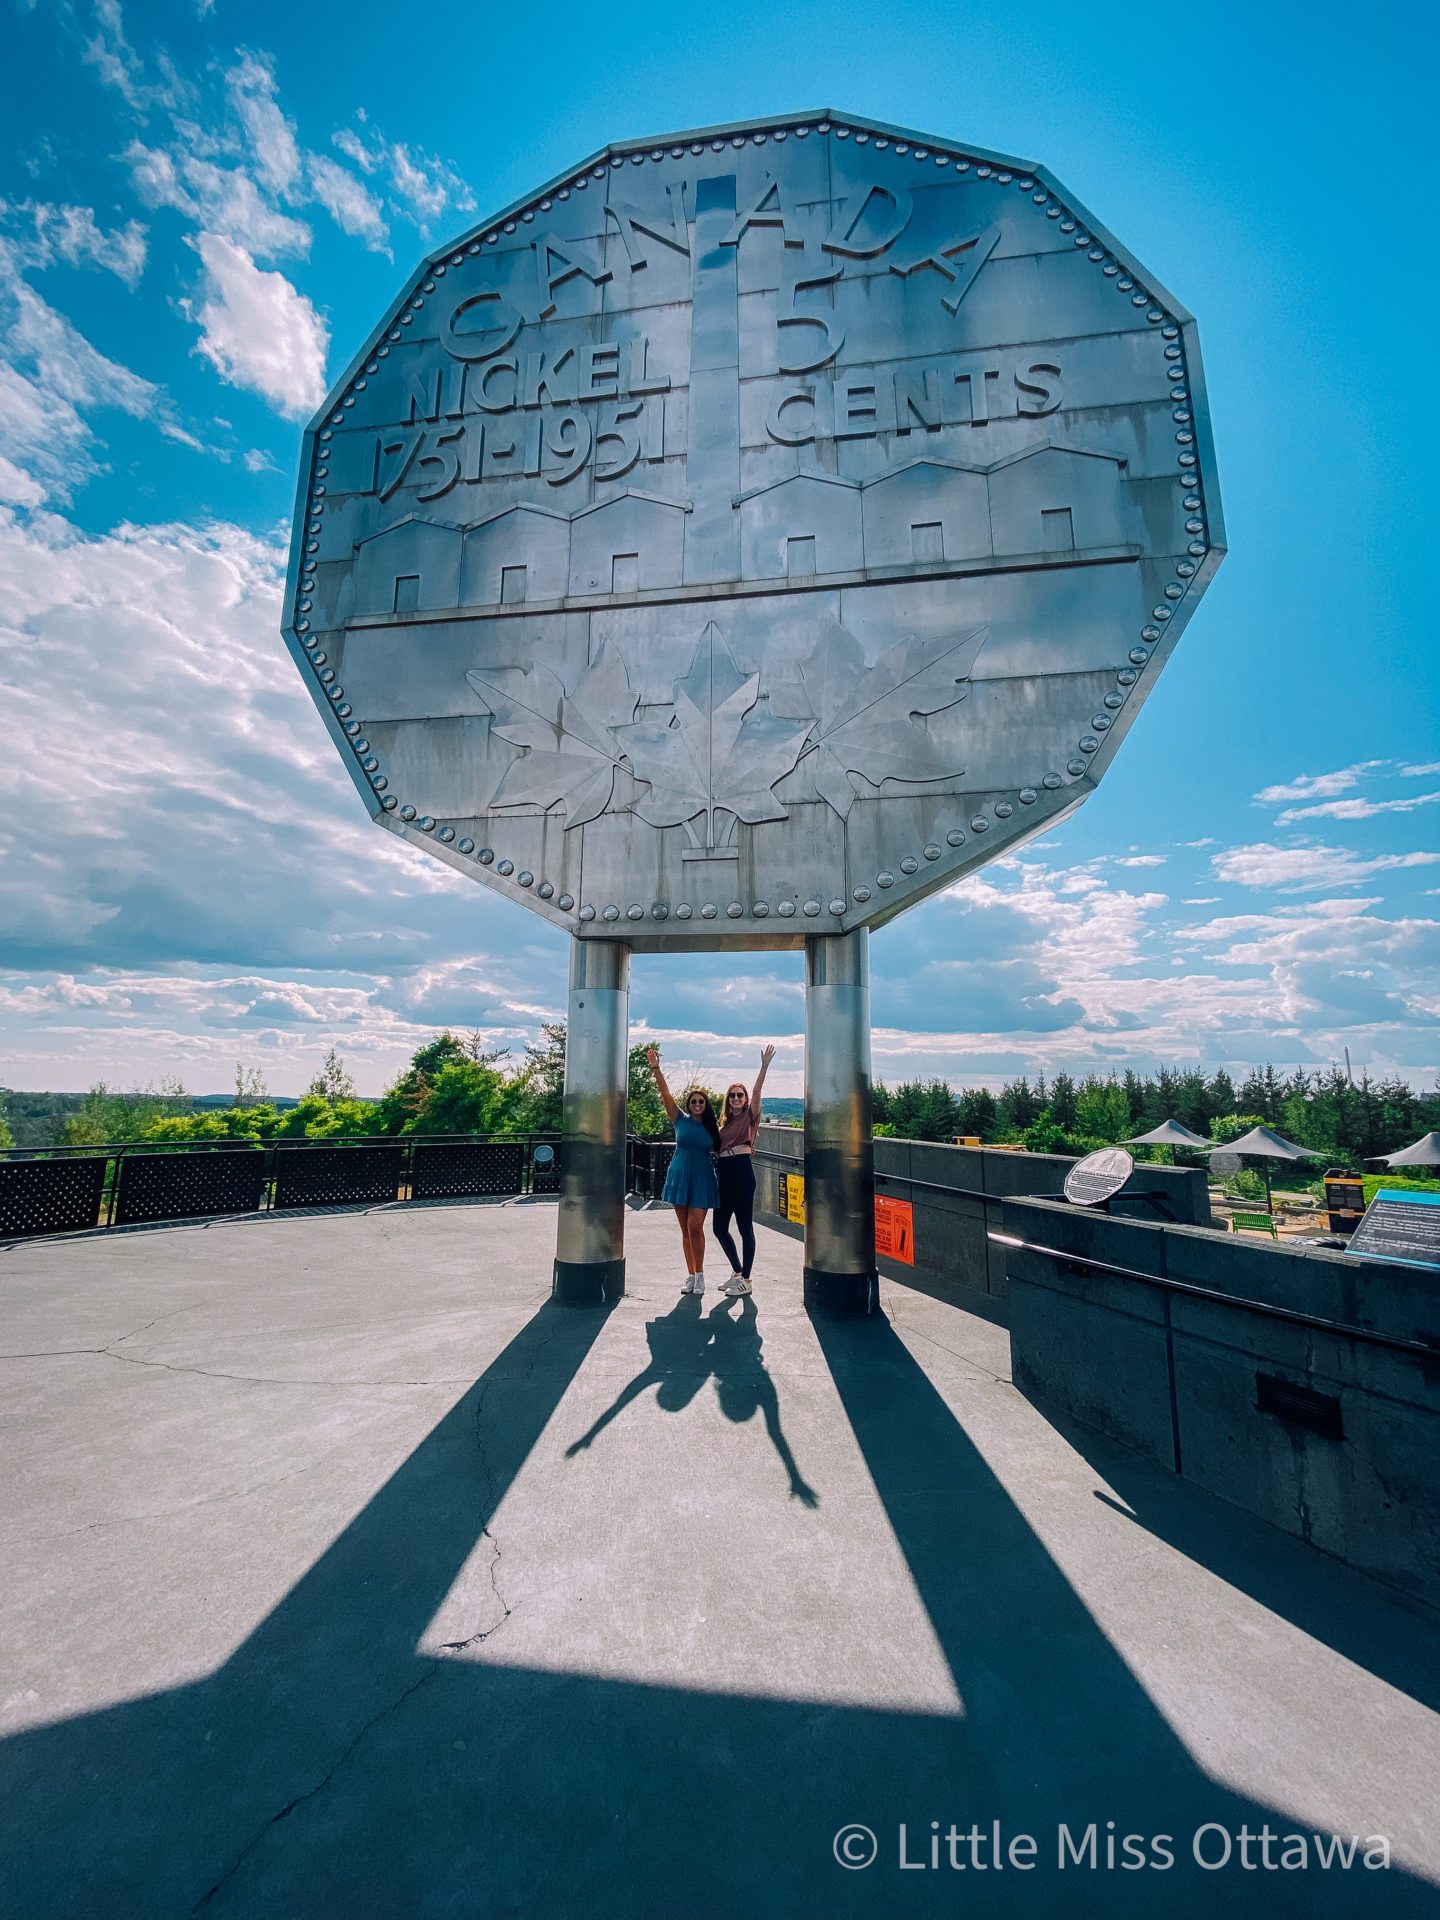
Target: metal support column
{"points": [[590, 1242], [840, 1275]]}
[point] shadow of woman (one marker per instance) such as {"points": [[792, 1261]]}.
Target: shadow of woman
{"points": [[743, 1384], [685, 1351], [678, 1366]]}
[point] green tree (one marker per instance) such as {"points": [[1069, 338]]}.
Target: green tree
{"points": [[7, 1139], [1102, 1110], [106, 1115], [1062, 1100], [1219, 1097], [258, 1122], [465, 1096], [332, 1082], [250, 1087], [978, 1113], [1019, 1107], [401, 1108], [316, 1118], [540, 1084], [645, 1113], [1045, 1135], [1226, 1127], [187, 1126]]}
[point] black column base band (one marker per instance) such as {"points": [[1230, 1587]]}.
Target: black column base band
{"points": [[851, 1294], [588, 1283]]}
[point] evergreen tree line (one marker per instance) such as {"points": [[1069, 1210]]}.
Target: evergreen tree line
{"points": [[1344, 1120]]}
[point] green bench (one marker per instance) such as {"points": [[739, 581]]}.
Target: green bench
{"points": [[1253, 1223]]}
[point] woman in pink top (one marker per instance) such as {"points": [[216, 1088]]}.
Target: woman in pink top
{"points": [[735, 1170]]}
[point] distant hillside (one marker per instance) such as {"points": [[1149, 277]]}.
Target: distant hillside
{"points": [[787, 1110]]}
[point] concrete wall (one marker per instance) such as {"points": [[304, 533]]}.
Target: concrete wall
{"points": [[1178, 1379], [957, 1194]]}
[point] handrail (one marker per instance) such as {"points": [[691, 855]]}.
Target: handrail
{"points": [[1314, 1321]]}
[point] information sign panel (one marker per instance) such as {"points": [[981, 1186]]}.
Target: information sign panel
{"points": [[1400, 1226]]}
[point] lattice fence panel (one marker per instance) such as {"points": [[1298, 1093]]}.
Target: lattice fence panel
{"points": [[50, 1196], [189, 1186], [456, 1169], [337, 1176]]}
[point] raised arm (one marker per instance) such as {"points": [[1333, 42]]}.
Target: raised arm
{"points": [[767, 1054], [667, 1099]]}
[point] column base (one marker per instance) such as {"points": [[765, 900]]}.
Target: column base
{"points": [[588, 1283], [849, 1294]]}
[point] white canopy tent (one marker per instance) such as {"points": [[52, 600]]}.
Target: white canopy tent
{"points": [[1424, 1152], [1263, 1143], [1170, 1133]]}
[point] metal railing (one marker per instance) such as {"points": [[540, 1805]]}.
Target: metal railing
{"points": [[1216, 1296], [124, 1183]]}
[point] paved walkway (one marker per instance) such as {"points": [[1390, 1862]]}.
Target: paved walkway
{"points": [[347, 1577]]}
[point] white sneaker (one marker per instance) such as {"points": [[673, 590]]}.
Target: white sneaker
{"points": [[699, 1283], [687, 1285], [743, 1286], [735, 1285]]}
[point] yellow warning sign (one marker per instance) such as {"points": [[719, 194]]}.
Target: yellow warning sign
{"points": [[792, 1197]]}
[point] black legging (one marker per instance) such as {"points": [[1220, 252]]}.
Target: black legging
{"points": [[736, 1175]]}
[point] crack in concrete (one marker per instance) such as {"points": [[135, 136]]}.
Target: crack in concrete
{"points": [[489, 1502], [250, 1379], [161, 1513], [311, 1792]]}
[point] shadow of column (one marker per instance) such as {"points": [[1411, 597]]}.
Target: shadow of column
{"points": [[145, 1808], [1058, 1731]]}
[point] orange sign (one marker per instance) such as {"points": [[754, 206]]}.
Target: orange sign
{"points": [[894, 1229]]}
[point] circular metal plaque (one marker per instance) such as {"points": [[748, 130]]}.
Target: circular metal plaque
{"points": [[752, 531], [1099, 1176]]}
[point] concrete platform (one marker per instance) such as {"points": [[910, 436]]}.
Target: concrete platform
{"points": [[346, 1576]]}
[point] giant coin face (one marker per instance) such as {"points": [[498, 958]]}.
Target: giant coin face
{"points": [[753, 531]]}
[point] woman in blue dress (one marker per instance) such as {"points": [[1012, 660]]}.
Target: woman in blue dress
{"points": [[690, 1185]]}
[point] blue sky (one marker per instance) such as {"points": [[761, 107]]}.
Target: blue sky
{"points": [[204, 209]]}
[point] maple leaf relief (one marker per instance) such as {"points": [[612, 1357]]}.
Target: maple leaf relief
{"points": [[570, 755], [865, 716], [722, 751]]}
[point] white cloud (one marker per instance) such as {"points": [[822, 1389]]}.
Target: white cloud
{"points": [[353, 147], [270, 136], [18, 489], [1300, 869], [45, 233], [1142, 860], [223, 200], [257, 460], [1317, 786], [1422, 772], [1356, 809], [423, 187], [114, 59], [258, 331], [195, 853], [51, 378], [348, 201]]}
